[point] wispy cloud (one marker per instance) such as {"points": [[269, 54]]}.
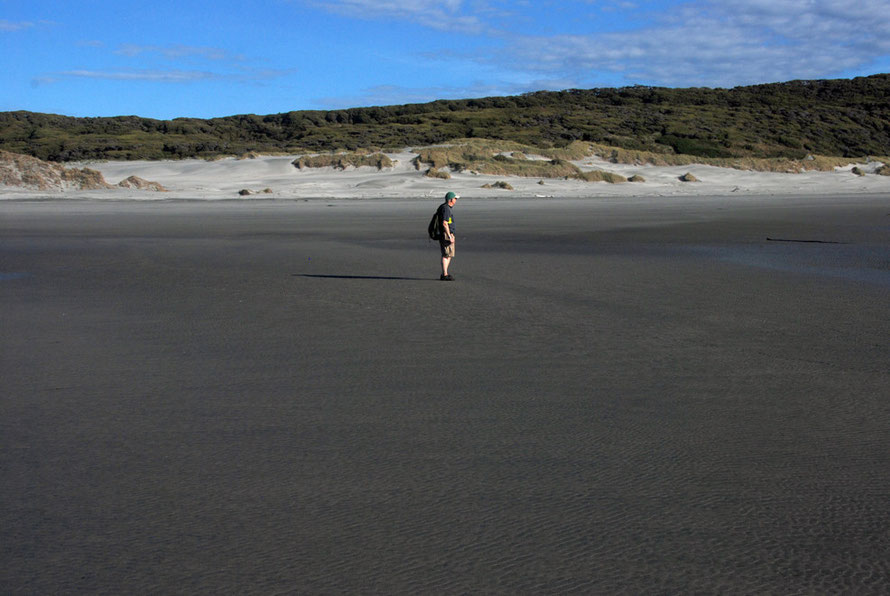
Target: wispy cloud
{"points": [[225, 66], [442, 15], [11, 26], [165, 76], [156, 76], [178, 52], [699, 42], [721, 43]]}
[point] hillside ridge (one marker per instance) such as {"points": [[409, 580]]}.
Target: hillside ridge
{"points": [[839, 117]]}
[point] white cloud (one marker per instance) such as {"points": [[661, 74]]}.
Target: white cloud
{"points": [[242, 75], [442, 15], [694, 43], [156, 76], [618, 6], [227, 67], [722, 43], [10, 26], [176, 52]]}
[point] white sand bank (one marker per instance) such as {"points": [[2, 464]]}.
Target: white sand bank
{"points": [[223, 179]]}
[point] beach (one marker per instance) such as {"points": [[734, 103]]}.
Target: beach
{"points": [[652, 395], [271, 177]]}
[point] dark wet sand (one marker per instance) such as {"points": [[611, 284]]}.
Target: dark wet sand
{"points": [[268, 398]]}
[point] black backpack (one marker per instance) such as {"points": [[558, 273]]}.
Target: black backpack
{"points": [[433, 229]]}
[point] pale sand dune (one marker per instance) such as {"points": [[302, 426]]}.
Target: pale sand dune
{"points": [[223, 179]]}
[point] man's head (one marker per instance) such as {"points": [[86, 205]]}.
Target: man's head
{"points": [[451, 197]]}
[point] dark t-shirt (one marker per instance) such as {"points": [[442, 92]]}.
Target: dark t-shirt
{"points": [[446, 215]]}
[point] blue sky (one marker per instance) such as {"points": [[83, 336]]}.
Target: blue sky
{"points": [[204, 59]]}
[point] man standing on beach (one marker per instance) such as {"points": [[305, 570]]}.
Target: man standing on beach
{"points": [[445, 216]]}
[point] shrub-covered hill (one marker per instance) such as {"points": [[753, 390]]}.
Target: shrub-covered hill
{"points": [[844, 117]]}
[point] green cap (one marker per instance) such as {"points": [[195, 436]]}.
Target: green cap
{"points": [[451, 195]]}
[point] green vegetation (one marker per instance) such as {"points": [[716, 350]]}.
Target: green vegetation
{"points": [[437, 173], [489, 157], [843, 118], [478, 156], [472, 157], [775, 164], [500, 184], [600, 176], [341, 161]]}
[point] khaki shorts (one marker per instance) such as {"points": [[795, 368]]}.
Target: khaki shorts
{"points": [[447, 249]]}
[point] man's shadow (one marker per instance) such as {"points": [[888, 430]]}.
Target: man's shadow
{"points": [[384, 277]]}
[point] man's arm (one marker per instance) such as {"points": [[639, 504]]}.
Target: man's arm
{"points": [[448, 233]]}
